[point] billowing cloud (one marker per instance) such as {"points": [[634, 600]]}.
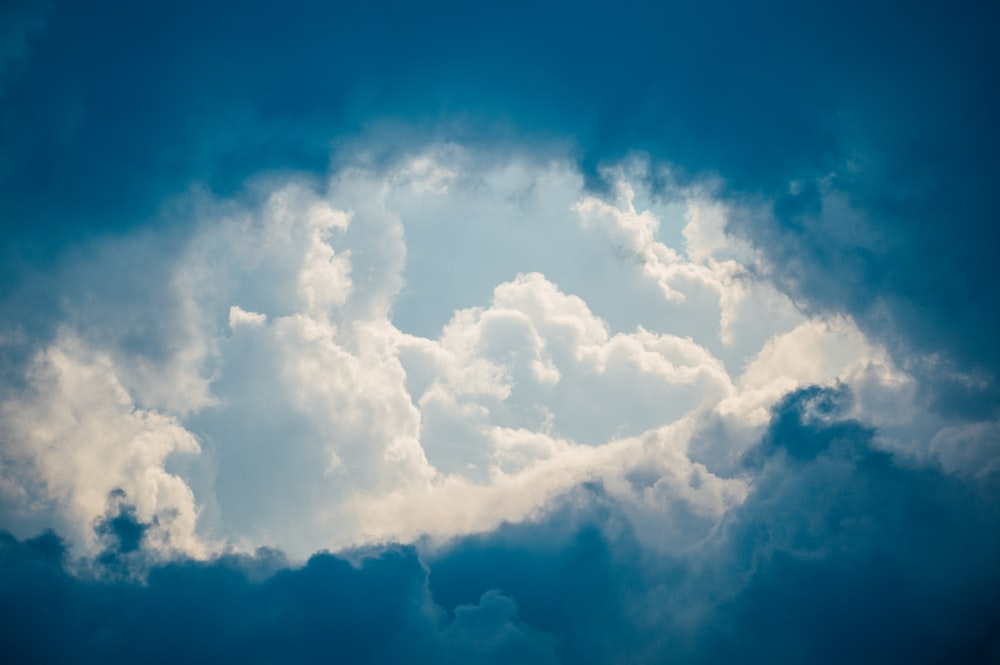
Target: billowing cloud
{"points": [[837, 553], [291, 407], [76, 435], [820, 125]]}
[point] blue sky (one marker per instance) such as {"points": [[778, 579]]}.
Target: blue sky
{"points": [[508, 332]]}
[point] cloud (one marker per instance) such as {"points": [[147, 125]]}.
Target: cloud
{"points": [[873, 555], [838, 552], [240, 317], [859, 193], [310, 416], [378, 612], [77, 434], [338, 276]]}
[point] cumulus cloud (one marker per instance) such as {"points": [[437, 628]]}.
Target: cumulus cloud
{"points": [[706, 263], [837, 553], [312, 417], [76, 434]]}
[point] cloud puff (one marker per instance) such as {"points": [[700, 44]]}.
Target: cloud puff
{"points": [[77, 434], [240, 317]]}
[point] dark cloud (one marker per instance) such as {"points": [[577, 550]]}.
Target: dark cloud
{"points": [[155, 97], [111, 107], [122, 534], [327, 610], [840, 554], [851, 555]]}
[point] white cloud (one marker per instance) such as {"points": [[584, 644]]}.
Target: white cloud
{"points": [[77, 434], [325, 419], [240, 317]]}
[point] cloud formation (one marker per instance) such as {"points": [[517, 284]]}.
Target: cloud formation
{"points": [[838, 553], [289, 406], [288, 387], [499, 332], [876, 120]]}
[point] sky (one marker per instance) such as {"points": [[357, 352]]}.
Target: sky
{"points": [[499, 332]]}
